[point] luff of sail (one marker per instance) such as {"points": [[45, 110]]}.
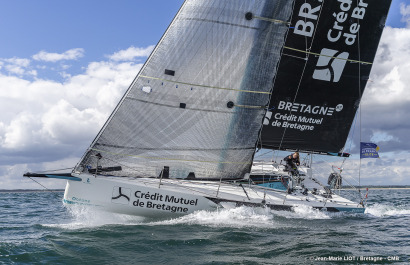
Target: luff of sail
{"points": [[197, 104], [323, 72]]}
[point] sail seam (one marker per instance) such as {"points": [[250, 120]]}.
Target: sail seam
{"points": [[172, 159], [177, 107], [219, 22], [173, 149], [272, 20], [250, 107], [318, 54], [197, 85], [297, 57]]}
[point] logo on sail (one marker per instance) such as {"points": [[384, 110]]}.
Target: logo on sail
{"points": [[268, 116], [330, 65], [120, 195]]}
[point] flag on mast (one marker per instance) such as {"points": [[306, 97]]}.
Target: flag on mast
{"points": [[369, 150]]}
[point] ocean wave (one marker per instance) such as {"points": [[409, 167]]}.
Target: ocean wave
{"points": [[88, 217], [382, 210], [246, 217], [234, 217], [306, 212]]}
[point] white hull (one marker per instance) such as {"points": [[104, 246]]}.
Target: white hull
{"points": [[145, 197]]}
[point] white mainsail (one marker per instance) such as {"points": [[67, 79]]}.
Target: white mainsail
{"points": [[198, 103]]}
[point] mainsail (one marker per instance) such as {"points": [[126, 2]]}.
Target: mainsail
{"points": [[322, 74], [197, 105]]}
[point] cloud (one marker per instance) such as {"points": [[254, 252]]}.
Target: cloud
{"points": [[53, 114], [12, 175], [131, 53], [72, 54], [387, 170], [48, 124], [18, 61], [17, 66], [405, 12], [386, 101]]}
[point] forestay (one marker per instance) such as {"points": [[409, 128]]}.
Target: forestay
{"points": [[198, 103], [323, 72]]}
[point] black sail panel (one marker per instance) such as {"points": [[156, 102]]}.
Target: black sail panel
{"points": [[323, 72]]}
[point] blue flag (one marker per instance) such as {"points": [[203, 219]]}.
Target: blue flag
{"points": [[369, 150]]}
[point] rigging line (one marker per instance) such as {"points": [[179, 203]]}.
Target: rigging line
{"points": [[138, 170], [306, 39], [316, 28], [250, 107], [329, 164], [175, 106], [303, 72], [264, 153], [351, 140], [54, 170], [360, 98], [272, 20], [171, 159], [297, 57], [179, 183], [219, 22], [318, 54], [202, 169], [42, 185], [273, 156], [197, 109], [205, 86], [126, 166], [351, 185], [174, 149], [274, 80]]}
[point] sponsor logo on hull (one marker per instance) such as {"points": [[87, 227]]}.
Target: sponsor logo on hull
{"points": [[121, 195]]}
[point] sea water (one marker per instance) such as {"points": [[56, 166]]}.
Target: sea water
{"points": [[35, 228]]}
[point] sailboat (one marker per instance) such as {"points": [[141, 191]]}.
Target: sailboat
{"points": [[227, 78]]}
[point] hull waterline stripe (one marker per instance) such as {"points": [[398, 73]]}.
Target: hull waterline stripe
{"points": [[197, 85], [318, 54], [64, 177], [281, 207]]}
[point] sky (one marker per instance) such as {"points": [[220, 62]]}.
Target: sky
{"points": [[64, 65]]}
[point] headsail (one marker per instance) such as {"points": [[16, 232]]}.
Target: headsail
{"points": [[197, 104], [324, 69]]}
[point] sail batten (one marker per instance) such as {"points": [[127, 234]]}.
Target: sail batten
{"points": [[197, 104]]}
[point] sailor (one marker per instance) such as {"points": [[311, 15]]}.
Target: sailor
{"points": [[292, 161]]}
